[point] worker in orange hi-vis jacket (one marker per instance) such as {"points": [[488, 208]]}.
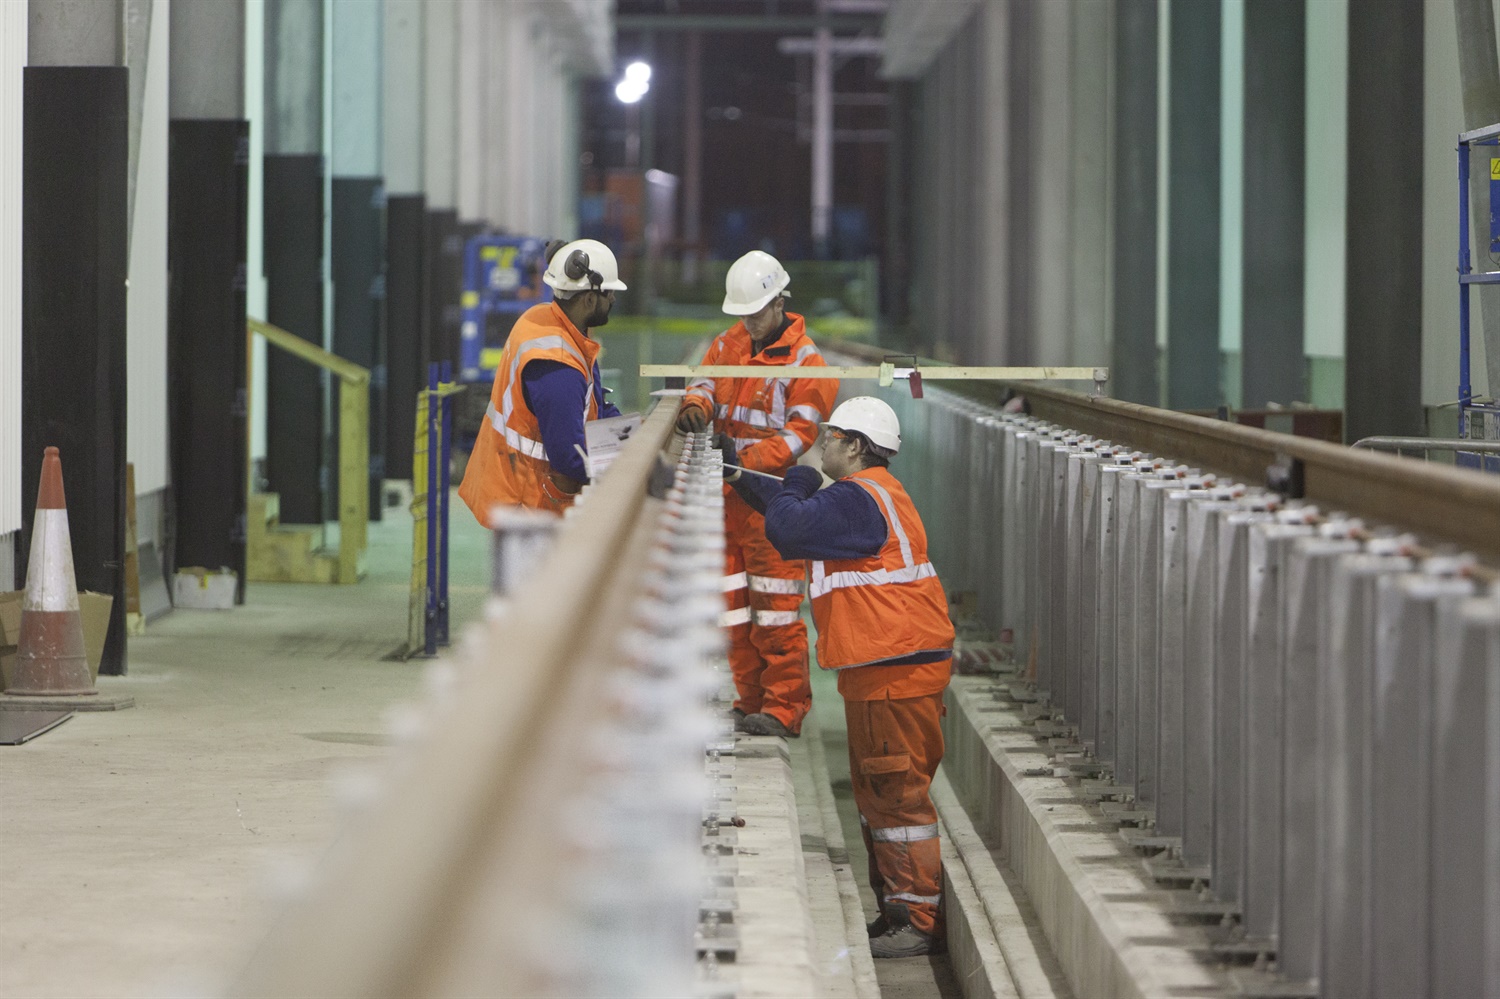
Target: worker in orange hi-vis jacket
{"points": [[882, 620], [531, 445], [771, 422]]}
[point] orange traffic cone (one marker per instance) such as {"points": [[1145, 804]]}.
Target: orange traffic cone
{"points": [[50, 660]]}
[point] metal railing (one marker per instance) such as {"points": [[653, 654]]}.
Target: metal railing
{"points": [[1401, 445], [1296, 711]]}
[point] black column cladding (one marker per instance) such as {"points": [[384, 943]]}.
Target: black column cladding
{"points": [[74, 246], [208, 181], [445, 281], [294, 302], [359, 303], [405, 326]]}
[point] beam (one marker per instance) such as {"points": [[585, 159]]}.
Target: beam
{"points": [[741, 23]]}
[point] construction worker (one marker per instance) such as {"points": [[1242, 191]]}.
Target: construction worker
{"points": [[529, 451], [882, 621], [771, 421]]}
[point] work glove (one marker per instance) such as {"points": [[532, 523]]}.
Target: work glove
{"points": [[726, 447], [692, 420]]}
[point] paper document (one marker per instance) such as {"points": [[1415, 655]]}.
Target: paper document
{"points": [[605, 439]]}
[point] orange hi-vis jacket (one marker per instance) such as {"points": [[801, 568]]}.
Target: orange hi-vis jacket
{"points": [[509, 465], [772, 420], [872, 610]]}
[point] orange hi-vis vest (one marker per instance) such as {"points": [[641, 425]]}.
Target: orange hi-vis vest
{"points": [[772, 420], [870, 610], [509, 465]]}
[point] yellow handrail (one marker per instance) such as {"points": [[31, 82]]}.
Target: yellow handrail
{"points": [[293, 344], [354, 440]]}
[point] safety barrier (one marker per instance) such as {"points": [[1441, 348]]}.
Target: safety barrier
{"points": [[432, 453], [1293, 713]]}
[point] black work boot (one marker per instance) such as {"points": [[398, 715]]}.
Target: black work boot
{"points": [[901, 938], [739, 720], [877, 927], [764, 724]]}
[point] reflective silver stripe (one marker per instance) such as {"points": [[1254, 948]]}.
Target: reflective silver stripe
{"points": [[809, 413], [773, 584], [543, 343], [805, 351], [904, 834], [906, 896], [754, 417], [778, 402], [823, 583], [890, 512], [793, 442], [775, 618], [730, 618], [723, 411], [527, 446], [735, 581], [740, 443]]}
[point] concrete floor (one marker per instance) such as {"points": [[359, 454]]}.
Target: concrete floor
{"points": [[142, 851]]}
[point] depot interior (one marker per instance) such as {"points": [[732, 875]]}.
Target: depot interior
{"points": [[258, 259]]}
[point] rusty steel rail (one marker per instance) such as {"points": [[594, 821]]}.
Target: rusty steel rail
{"points": [[1438, 502]]}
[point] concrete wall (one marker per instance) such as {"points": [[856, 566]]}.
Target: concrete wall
{"points": [[982, 97], [146, 430], [13, 43]]}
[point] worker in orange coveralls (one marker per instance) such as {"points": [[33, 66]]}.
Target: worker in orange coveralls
{"points": [[771, 422], [882, 621]]}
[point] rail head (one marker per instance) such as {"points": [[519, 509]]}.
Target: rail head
{"points": [[375, 924], [1439, 502]]}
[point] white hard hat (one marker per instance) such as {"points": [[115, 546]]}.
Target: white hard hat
{"points": [[869, 416], [752, 281], [583, 265]]}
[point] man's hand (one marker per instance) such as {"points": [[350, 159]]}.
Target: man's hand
{"points": [[692, 420], [725, 444]]}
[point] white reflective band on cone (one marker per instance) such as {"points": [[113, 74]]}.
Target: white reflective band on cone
{"points": [[774, 584], [730, 618], [775, 618], [736, 581], [919, 899], [904, 834], [50, 584]]}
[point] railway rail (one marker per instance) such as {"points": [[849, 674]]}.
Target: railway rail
{"points": [[1245, 744]]}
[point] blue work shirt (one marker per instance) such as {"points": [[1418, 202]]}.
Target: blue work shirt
{"points": [[555, 393]]}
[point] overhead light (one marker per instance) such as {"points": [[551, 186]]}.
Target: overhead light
{"points": [[630, 91], [638, 71]]}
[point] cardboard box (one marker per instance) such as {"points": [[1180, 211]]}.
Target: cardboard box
{"points": [[93, 609], [198, 588]]}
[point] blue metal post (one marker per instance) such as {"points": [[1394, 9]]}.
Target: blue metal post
{"points": [[445, 376], [1465, 392], [429, 633]]}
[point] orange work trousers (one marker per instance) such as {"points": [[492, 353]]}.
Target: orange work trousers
{"points": [[895, 747], [767, 639]]}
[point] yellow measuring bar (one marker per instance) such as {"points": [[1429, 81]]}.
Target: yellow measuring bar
{"points": [[873, 372]]}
